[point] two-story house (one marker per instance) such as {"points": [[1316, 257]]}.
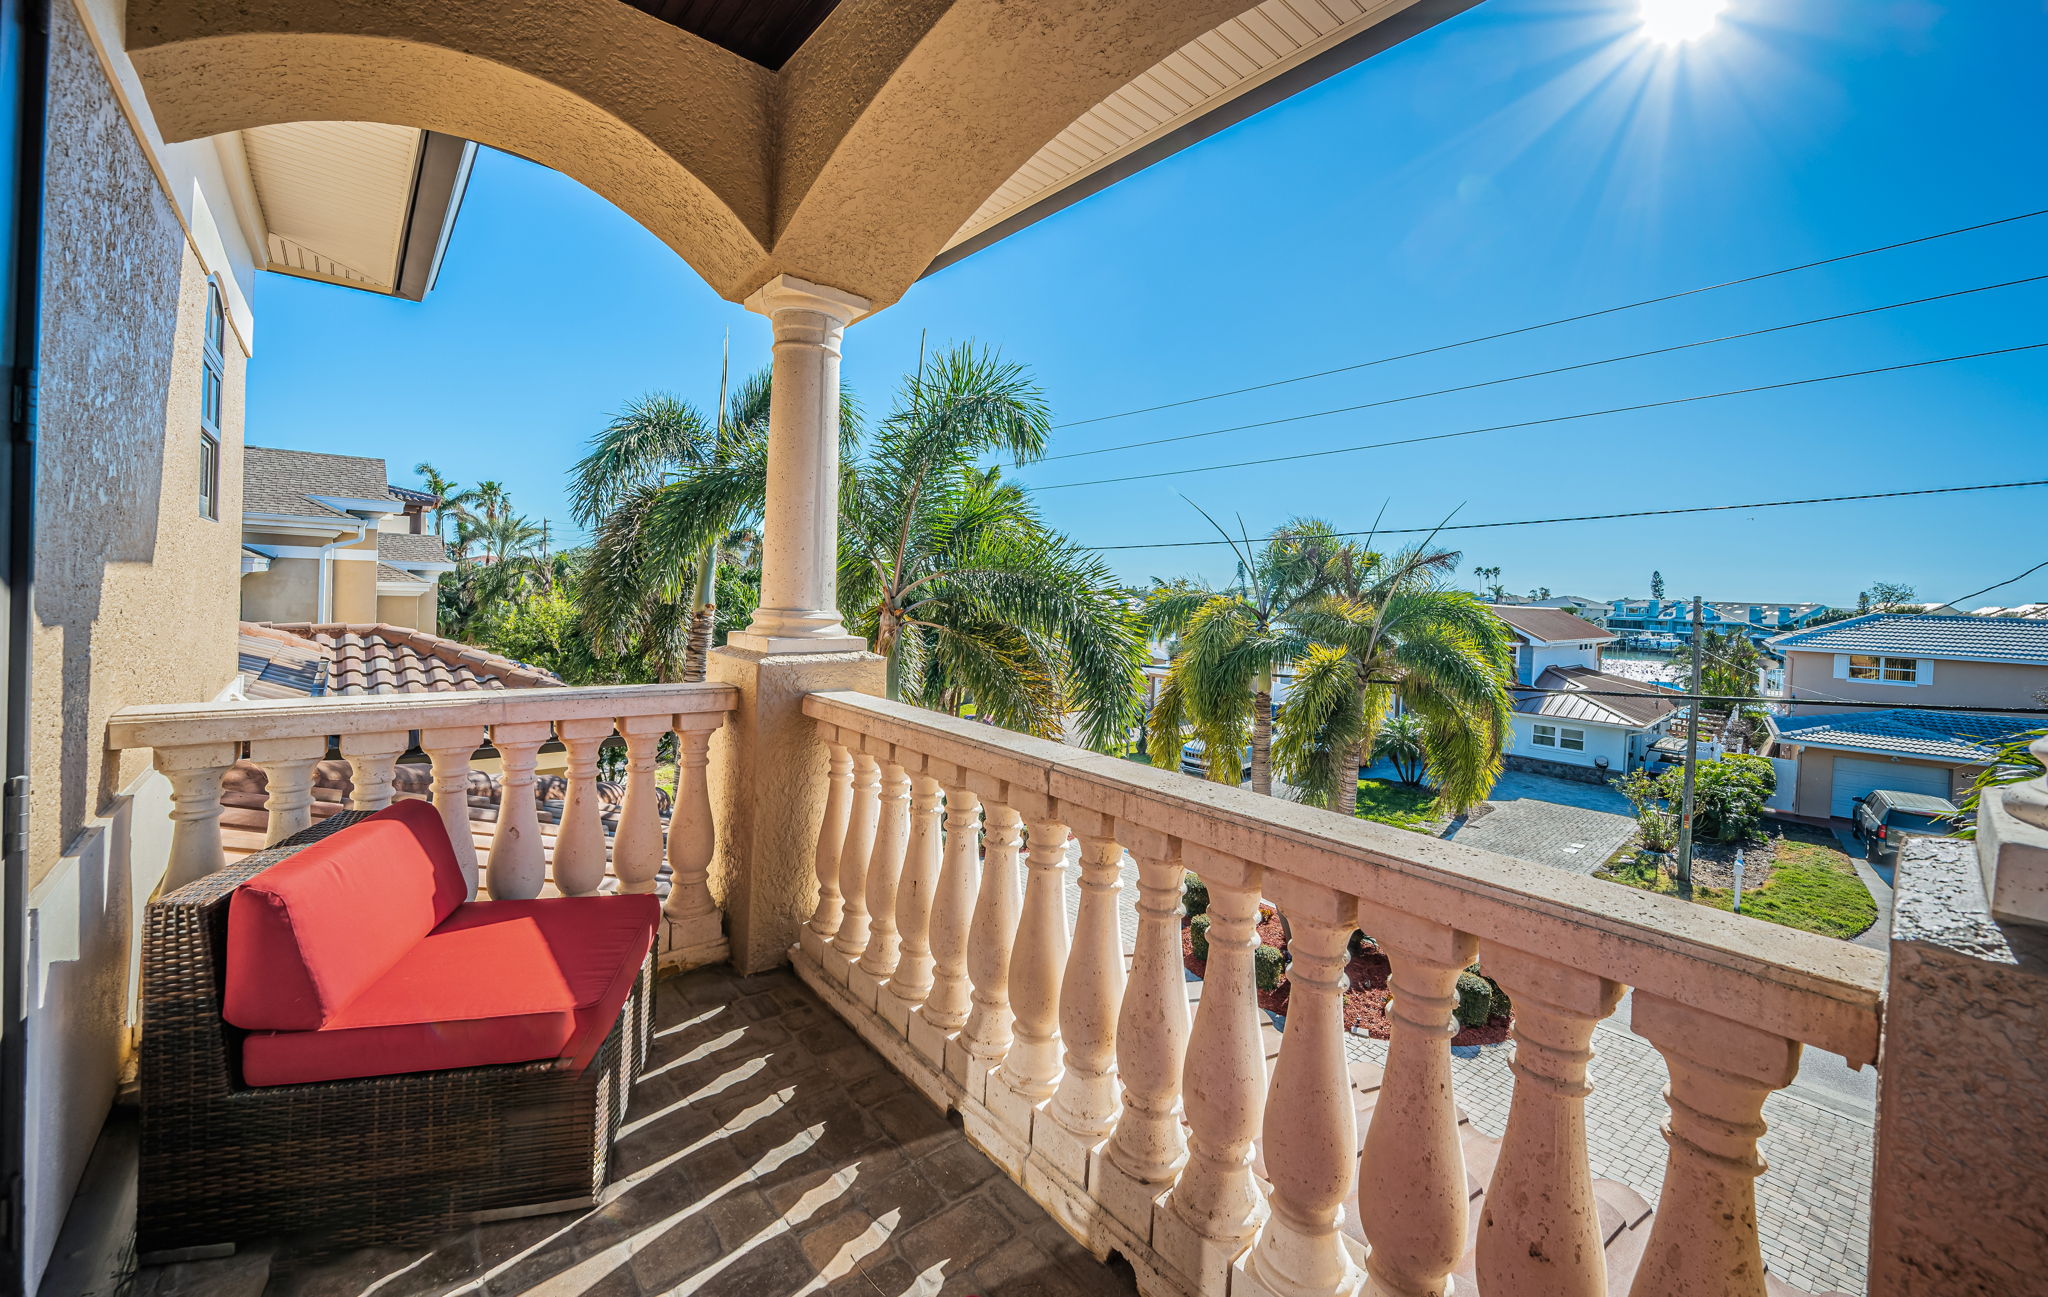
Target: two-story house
{"points": [[1916, 665], [1571, 718], [1672, 618]]}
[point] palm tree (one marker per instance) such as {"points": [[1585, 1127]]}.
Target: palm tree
{"points": [[1404, 744], [1388, 633], [1228, 644], [443, 491]]}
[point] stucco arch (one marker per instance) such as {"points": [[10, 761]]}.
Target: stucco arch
{"points": [[672, 129]]}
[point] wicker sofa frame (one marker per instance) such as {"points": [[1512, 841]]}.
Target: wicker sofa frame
{"points": [[386, 1159]]}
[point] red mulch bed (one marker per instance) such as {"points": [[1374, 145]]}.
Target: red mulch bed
{"points": [[1365, 1004]]}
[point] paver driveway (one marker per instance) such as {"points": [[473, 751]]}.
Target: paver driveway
{"points": [[1550, 821]]}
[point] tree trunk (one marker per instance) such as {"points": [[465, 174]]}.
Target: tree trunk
{"points": [[1262, 739], [1347, 787], [703, 617]]}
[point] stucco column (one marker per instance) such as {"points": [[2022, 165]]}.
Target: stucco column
{"points": [[799, 611]]}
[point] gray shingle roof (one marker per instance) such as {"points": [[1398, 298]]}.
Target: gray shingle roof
{"points": [[1940, 736], [1646, 705], [281, 481], [405, 547], [1981, 639]]}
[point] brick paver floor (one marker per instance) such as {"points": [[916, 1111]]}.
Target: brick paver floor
{"points": [[1575, 838], [767, 1151]]}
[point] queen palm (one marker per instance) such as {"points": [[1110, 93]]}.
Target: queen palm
{"points": [[1228, 645], [443, 491], [1388, 633]]}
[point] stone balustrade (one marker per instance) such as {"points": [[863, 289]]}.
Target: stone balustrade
{"points": [[942, 934], [193, 746]]}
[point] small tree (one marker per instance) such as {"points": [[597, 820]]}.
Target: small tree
{"points": [[1403, 743], [1656, 585], [1891, 596], [1651, 795]]}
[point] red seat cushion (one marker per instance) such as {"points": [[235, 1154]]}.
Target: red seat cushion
{"points": [[314, 931], [497, 982]]}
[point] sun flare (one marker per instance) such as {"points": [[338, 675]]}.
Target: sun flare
{"points": [[1670, 22]]}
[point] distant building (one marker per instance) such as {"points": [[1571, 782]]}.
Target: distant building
{"points": [[1673, 617], [1593, 610]]}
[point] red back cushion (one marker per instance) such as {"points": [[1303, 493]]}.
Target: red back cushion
{"points": [[309, 934]]}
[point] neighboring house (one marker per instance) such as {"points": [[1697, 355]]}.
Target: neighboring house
{"points": [[325, 538], [1921, 664], [1571, 718], [1593, 610], [2030, 611], [305, 660], [1673, 617]]}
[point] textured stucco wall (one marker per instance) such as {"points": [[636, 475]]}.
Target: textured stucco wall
{"points": [[1952, 684], [1960, 1204], [135, 598], [289, 591], [414, 610]]}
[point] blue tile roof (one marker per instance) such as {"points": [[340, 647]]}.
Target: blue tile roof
{"points": [[1982, 639], [1939, 736]]}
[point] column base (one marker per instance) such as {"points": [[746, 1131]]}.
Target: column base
{"points": [[767, 644], [692, 943], [1133, 1202], [1205, 1262]]}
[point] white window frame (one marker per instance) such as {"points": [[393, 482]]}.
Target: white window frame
{"points": [[1562, 737], [1888, 669], [212, 394]]}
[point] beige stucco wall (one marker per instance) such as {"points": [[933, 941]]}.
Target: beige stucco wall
{"points": [[1817, 778], [135, 597], [416, 611], [289, 591], [1951, 684]]}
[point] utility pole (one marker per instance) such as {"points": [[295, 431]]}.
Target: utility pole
{"points": [[1692, 756]]}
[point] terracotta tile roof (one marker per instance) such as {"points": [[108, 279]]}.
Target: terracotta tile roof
{"points": [[279, 664], [405, 547], [377, 658], [1548, 625], [1647, 705]]}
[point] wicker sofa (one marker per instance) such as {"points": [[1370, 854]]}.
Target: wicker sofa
{"points": [[395, 1156]]}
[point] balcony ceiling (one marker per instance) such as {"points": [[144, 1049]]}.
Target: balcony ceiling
{"points": [[763, 31]]}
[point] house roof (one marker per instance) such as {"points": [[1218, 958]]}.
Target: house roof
{"points": [[284, 659], [2032, 611], [1643, 704], [411, 496], [1547, 625], [1964, 737], [284, 481], [407, 547], [1981, 639]]}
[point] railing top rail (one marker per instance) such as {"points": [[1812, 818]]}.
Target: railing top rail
{"points": [[190, 723], [1800, 985]]}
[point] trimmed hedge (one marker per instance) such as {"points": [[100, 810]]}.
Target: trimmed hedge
{"points": [[1194, 896], [1268, 965], [1198, 935], [1475, 1000]]}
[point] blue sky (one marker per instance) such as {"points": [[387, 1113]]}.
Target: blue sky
{"points": [[1528, 160]]}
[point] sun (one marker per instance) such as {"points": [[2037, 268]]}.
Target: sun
{"points": [[1670, 22]]}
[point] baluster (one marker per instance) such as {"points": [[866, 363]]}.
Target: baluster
{"points": [[451, 749], [1147, 1149], [636, 841], [1311, 1123], [288, 781], [579, 836], [1038, 955], [861, 825], [951, 996], [372, 758], [194, 771], [1411, 1176], [914, 896], [1215, 1208], [824, 921], [885, 866], [1540, 1229], [695, 930], [1703, 1238], [1084, 1107], [518, 862], [987, 1033]]}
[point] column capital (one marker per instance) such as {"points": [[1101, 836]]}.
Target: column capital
{"points": [[788, 293]]}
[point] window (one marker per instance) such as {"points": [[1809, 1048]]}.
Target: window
{"points": [[1898, 671], [213, 377], [1551, 736]]}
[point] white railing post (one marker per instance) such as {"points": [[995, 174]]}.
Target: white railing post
{"points": [[636, 841], [951, 997], [288, 780], [372, 760], [1311, 1122], [450, 749], [1147, 1149], [1084, 1108], [1411, 1175], [693, 930], [862, 823], [579, 837], [817, 934], [1215, 1209], [912, 980], [892, 835], [194, 771], [986, 1036], [1038, 955], [518, 862], [1703, 1239], [1539, 1231]]}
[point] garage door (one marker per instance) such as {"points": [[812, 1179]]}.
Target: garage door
{"points": [[1855, 778]]}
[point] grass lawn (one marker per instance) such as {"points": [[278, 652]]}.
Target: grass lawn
{"points": [[1401, 805], [1813, 887]]}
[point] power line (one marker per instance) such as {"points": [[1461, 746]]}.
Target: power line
{"points": [[1549, 324], [2001, 585], [1540, 373], [1535, 423]]}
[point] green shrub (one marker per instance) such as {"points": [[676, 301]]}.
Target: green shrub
{"points": [[1194, 896], [1198, 933], [1267, 966], [1359, 941], [1501, 1003], [1475, 1000]]}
